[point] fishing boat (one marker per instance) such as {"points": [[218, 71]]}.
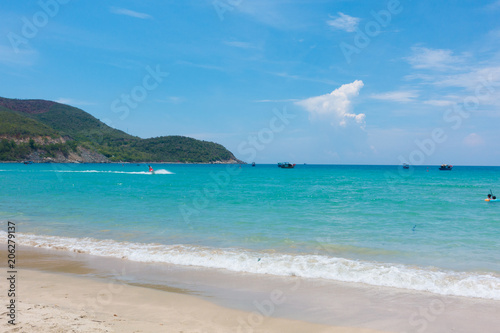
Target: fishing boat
{"points": [[253, 163], [286, 165], [406, 166], [445, 167]]}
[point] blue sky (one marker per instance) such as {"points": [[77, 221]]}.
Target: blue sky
{"points": [[335, 82]]}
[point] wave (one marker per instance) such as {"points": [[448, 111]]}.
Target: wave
{"points": [[468, 284], [157, 172]]}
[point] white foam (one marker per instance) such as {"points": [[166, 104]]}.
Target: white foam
{"points": [[157, 172], [163, 172], [466, 284]]}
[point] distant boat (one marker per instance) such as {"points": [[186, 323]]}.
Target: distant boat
{"points": [[28, 162], [445, 167], [286, 165], [253, 163], [406, 166]]}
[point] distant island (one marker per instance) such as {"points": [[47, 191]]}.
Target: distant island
{"points": [[46, 131]]}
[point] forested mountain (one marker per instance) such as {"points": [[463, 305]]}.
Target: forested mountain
{"points": [[44, 131]]}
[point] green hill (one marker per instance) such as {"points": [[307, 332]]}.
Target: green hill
{"points": [[49, 131], [16, 125], [184, 149]]}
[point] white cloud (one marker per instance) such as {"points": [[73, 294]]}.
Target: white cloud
{"points": [[336, 105], [272, 13], [128, 12], [241, 45], [471, 80], [437, 59], [419, 76], [479, 78], [344, 22], [397, 96], [439, 102], [473, 140]]}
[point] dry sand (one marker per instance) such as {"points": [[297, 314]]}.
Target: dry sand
{"points": [[61, 291], [57, 302]]}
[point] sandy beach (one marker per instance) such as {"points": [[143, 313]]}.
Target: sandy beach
{"points": [[50, 302], [60, 291]]}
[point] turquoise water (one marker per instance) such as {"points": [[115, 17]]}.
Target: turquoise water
{"points": [[420, 229]]}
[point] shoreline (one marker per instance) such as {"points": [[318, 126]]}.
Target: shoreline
{"points": [[276, 304], [361, 271], [56, 293], [57, 302]]}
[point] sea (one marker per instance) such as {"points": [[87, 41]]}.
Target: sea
{"points": [[420, 229]]}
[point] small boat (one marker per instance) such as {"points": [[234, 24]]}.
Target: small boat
{"points": [[406, 166], [28, 162], [286, 165], [253, 163], [445, 167]]}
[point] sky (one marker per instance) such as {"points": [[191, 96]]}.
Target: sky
{"points": [[317, 82]]}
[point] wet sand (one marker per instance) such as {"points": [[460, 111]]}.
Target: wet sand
{"points": [[58, 291]]}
